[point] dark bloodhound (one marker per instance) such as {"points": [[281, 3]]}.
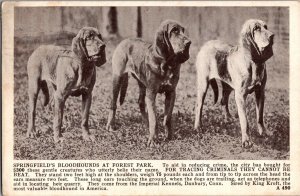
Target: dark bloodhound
{"points": [[71, 72], [241, 68], [156, 67]]}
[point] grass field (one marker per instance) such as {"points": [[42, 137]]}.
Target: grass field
{"points": [[221, 139]]}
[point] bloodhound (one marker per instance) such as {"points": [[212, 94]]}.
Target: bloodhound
{"points": [[241, 68], [71, 72], [156, 67]]}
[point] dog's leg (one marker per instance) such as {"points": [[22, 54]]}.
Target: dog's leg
{"points": [[260, 99], [240, 99], [59, 103], [150, 101], [169, 105], [224, 101], [33, 92], [113, 105], [142, 103], [201, 93], [45, 92], [86, 105]]}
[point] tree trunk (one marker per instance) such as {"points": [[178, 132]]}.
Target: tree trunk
{"points": [[110, 22], [62, 18], [139, 26]]}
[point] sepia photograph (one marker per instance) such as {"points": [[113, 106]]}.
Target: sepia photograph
{"points": [[151, 83]]}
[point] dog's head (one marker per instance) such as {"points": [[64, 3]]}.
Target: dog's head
{"points": [[170, 39], [88, 46], [256, 37]]}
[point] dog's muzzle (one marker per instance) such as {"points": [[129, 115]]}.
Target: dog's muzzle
{"points": [[271, 39], [100, 57], [184, 54], [267, 52], [270, 44]]}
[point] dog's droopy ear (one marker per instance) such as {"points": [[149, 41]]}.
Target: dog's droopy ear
{"points": [[162, 43], [78, 45], [161, 52], [247, 39]]}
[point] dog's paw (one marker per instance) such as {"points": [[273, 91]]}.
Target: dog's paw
{"points": [[92, 138], [261, 129], [89, 137], [31, 134], [58, 139], [228, 117], [150, 143], [168, 135], [111, 129], [263, 132], [198, 130], [199, 136], [247, 144]]}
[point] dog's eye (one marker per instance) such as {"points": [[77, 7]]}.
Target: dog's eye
{"points": [[90, 36], [175, 30], [256, 28], [265, 26]]}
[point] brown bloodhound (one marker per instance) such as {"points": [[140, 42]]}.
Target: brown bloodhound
{"points": [[156, 67], [241, 68], [71, 72]]}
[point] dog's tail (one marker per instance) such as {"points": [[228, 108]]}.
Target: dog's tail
{"points": [[214, 86], [45, 92], [123, 88]]}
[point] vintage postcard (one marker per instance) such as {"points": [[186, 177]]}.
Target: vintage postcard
{"points": [[150, 98]]}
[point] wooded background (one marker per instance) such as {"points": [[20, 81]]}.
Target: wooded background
{"points": [[202, 23]]}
